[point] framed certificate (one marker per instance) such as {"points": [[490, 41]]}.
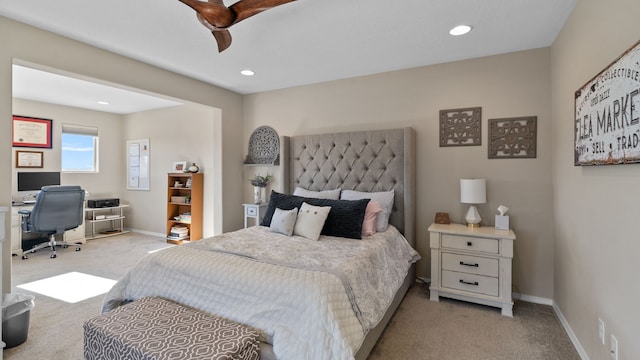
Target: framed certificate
{"points": [[29, 159], [31, 132]]}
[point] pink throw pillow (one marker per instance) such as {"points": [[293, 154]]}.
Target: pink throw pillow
{"points": [[370, 216]]}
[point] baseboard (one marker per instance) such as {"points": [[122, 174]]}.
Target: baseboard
{"points": [[563, 320], [532, 299], [572, 335], [144, 232]]}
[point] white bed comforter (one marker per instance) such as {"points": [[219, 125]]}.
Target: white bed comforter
{"points": [[309, 299]]}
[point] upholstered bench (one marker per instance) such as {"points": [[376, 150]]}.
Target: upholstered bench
{"points": [[156, 329]]}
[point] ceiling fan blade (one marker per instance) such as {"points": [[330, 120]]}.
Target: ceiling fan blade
{"points": [[247, 8], [213, 11], [223, 38]]}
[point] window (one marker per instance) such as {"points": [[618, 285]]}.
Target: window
{"points": [[79, 148]]}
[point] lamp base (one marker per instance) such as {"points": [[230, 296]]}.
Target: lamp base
{"points": [[473, 217]]}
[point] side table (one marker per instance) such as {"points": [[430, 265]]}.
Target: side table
{"points": [[472, 264], [254, 211]]}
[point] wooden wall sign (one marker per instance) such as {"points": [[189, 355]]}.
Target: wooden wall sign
{"points": [[607, 114], [461, 127]]}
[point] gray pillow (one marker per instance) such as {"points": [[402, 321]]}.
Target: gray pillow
{"points": [[385, 198], [324, 194], [283, 221]]}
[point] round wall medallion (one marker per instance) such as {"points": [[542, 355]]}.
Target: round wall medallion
{"points": [[264, 145]]}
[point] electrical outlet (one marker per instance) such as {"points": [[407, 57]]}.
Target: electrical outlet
{"points": [[614, 347], [601, 330]]}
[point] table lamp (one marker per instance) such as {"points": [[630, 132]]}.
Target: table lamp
{"points": [[473, 191]]}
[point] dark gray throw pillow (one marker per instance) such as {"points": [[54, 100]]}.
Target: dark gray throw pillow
{"points": [[344, 220]]}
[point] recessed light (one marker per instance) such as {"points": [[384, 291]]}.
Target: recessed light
{"points": [[247, 72], [103, 102], [460, 30]]}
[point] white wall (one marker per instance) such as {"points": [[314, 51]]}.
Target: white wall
{"points": [[596, 237], [181, 133], [187, 132], [108, 182]]}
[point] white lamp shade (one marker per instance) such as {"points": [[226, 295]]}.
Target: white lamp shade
{"points": [[473, 191]]}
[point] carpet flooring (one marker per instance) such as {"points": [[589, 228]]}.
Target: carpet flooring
{"points": [[420, 330]]}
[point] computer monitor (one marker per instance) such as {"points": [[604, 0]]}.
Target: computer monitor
{"points": [[34, 181]]}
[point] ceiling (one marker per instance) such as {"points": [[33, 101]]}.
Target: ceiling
{"points": [[302, 42]]}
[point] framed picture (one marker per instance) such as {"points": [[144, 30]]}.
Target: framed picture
{"points": [[179, 166], [607, 124], [29, 159], [31, 132]]}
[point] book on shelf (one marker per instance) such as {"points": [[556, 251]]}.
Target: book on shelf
{"points": [[182, 237]]}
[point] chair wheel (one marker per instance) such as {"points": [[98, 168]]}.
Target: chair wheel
{"points": [[24, 257], [65, 246], [78, 249], [53, 256]]}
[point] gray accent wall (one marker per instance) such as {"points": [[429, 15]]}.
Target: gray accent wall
{"points": [[510, 85]]}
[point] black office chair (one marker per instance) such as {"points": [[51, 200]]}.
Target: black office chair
{"points": [[56, 210]]}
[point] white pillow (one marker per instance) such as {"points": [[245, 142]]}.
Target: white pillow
{"points": [[385, 198], [324, 194], [311, 220], [283, 221]]}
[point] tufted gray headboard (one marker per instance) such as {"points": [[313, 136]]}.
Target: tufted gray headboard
{"points": [[363, 161]]}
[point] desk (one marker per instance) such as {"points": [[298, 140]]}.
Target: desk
{"points": [[113, 214], [73, 236]]}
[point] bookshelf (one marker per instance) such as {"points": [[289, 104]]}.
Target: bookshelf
{"points": [[184, 207]]}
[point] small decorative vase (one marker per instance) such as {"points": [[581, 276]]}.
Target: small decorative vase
{"points": [[257, 194], [194, 168]]}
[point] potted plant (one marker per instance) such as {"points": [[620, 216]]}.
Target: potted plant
{"points": [[259, 183]]}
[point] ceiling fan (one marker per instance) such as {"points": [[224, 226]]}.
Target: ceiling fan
{"points": [[217, 17]]}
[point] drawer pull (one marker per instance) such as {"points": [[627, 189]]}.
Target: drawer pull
{"points": [[468, 264], [469, 243], [475, 283]]}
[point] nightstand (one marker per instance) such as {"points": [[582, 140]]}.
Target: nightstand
{"points": [[472, 264], [254, 211]]}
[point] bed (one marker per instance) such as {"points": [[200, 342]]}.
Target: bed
{"points": [[306, 305]]}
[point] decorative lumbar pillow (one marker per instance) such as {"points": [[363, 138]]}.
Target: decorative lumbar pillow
{"points": [[324, 194], [344, 220], [310, 221], [283, 221], [385, 198], [370, 217]]}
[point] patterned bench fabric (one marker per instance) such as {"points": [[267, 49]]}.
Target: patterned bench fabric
{"points": [[153, 328]]}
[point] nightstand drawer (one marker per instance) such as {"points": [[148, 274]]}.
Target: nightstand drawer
{"points": [[470, 243], [470, 264], [251, 210], [469, 282]]}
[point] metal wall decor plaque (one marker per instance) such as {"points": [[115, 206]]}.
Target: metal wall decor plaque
{"points": [[264, 145], [461, 127], [607, 114], [513, 137]]}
